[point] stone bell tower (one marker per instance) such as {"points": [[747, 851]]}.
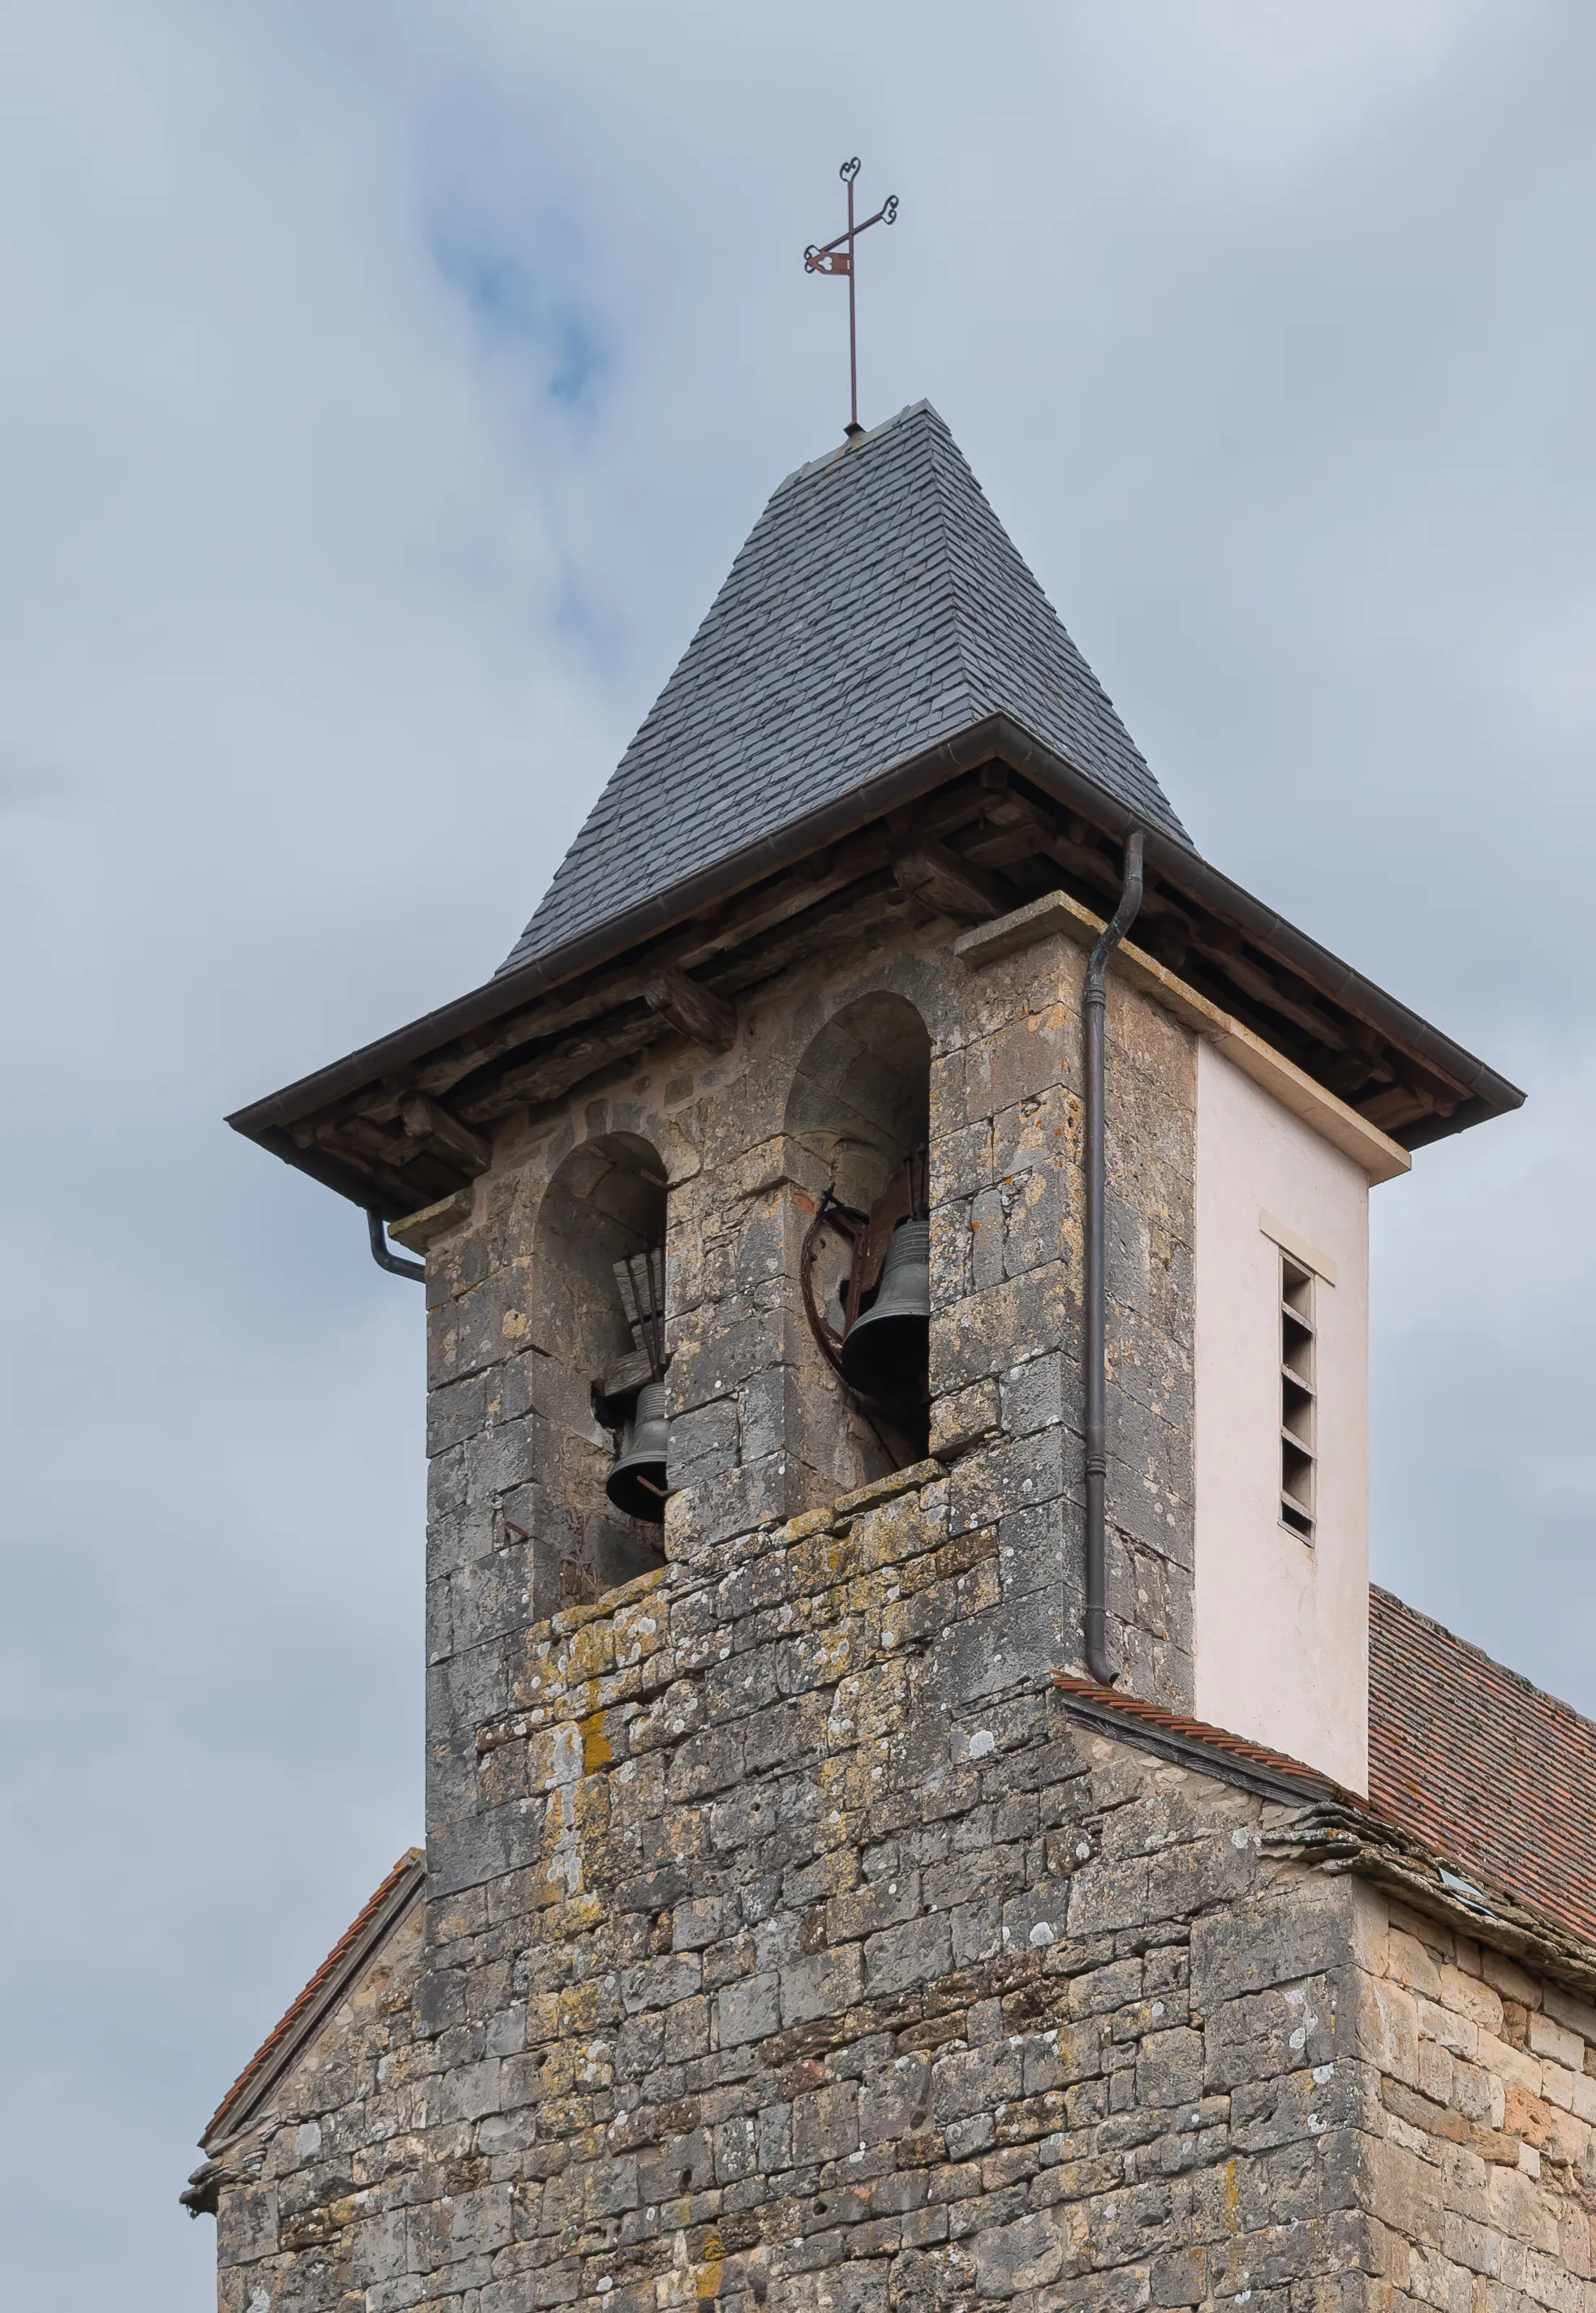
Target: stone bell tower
{"points": [[894, 1242]]}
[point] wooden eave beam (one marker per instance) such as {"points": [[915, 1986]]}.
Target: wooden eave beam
{"points": [[693, 1010], [812, 912], [428, 1120], [815, 883]]}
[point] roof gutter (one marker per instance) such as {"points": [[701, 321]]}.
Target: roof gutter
{"points": [[997, 736]]}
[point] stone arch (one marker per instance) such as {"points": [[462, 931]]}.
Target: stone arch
{"points": [[606, 1200], [861, 1093], [858, 1108]]}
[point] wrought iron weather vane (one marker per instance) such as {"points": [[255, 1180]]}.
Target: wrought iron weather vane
{"points": [[836, 257]]}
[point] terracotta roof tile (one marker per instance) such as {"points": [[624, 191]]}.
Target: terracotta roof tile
{"points": [[1152, 1716], [1470, 1758], [386, 1901], [1478, 1766]]}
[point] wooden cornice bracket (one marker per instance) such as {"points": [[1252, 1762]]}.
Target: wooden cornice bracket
{"points": [[426, 1119], [695, 1012], [936, 875]]}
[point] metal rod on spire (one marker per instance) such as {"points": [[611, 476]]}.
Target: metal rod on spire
{"points": [[836, 257], [850, 170]]}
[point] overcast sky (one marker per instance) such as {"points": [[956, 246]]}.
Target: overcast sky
{"points": [[385, 389]]}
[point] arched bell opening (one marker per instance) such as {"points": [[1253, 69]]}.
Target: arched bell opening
{"points": [[860, 1110], [600, 1269]]}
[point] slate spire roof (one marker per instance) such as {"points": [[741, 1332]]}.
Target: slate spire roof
{"points": [[878, 607]]}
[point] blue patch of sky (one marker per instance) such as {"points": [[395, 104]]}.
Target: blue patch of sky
{"points": [[542, 329], [517, 312]]}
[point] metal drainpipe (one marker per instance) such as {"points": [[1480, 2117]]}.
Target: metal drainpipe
{"points": [[1097, 1660], [385, 1258]]}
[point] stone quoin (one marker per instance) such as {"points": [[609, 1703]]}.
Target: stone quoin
{"points": [[799, 1926]]}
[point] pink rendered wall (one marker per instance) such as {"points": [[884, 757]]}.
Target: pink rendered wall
{"points": [[1281, 1623]]}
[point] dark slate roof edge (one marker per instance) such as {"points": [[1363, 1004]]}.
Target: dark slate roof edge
{"points": [[506, 991], [266, 1120], [844, 449]]}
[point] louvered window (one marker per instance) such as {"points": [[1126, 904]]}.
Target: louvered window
{"points": [[1298, 1401]]}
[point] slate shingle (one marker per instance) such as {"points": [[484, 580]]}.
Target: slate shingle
{"points": [[878, 607]]}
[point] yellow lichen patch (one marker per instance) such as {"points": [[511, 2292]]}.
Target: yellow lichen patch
{"points": [[952, 1559], [639, 1632], [597, 1750], [822, 1561], [592, 1652], [799, 1529], [515, 1325], [581, 2008], [1232, 2197], [547, 1885], [545, 2018], [577, 1917], [880, 1701], [825, 1656], [908, 1527]]}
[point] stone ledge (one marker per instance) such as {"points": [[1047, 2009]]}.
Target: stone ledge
{"points": [[417, 1231]]}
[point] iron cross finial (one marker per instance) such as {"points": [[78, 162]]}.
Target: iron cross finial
{"points": [[838, 257]]}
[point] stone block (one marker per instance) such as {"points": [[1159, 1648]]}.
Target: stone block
{"points": [[1575, 2014], [900, 1957], [1550, 2039], [1466, 1996], [826, 2123], [823, 1984], [1277, 1939], [747, 2012], [1170, 2067], [1387, 2029]]}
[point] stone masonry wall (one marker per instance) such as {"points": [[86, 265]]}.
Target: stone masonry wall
{"points": [[1482, 2119], [783, 1943], [746, 1377], [839, 1979], [840, 1972]]}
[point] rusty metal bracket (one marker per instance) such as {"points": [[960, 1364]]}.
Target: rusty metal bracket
{"points": [[848, 1225]]}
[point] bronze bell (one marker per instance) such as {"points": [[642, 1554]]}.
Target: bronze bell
{"points": [[883, 1351], [636, 1483]]}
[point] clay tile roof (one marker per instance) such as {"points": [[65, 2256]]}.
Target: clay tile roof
{"points": [[1102, 1703], [357, 1944], [878, 609], [1482, 1766], [1478, 1766]]}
